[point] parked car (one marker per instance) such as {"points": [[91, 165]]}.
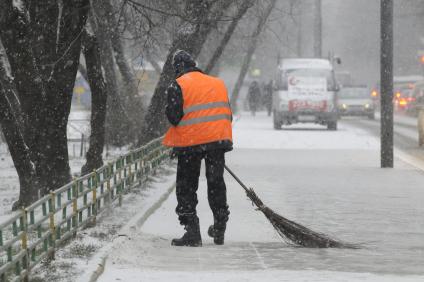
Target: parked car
{"points": [[402, 91], [416, 98], [356, 101]]}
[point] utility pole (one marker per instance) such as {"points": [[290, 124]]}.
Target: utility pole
{"points": [[386, 81], [300, 30], [318, 29]]}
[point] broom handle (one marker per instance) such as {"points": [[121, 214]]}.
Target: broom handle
{"points": [[236, 178]]}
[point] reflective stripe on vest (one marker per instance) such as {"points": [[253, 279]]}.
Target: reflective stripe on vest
{"points": [[206, 106], [204, 119]]}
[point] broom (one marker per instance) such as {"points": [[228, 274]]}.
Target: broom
{"points": [[287, 229]]}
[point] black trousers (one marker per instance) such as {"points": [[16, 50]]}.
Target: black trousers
{"points": [[188, 173]]}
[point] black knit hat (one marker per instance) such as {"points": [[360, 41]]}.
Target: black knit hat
{"points": [[182, 60]]}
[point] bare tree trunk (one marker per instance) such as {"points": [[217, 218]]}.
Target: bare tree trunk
{"points": [[250, 51], [124, 68], [98, 103], [59, 89], [19, 153], [42, 42], [11, 127], [212, 14], [117, 121], [9, 88], [133, 102], [227, 36], [17, 39], [56, 29]]}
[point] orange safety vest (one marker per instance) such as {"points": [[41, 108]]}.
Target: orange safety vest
{"points": [[207, 113]]}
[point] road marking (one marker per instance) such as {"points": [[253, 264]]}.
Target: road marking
{"points": [[260, 257]]}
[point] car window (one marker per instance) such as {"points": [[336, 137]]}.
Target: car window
{"points": [[354, 93]]}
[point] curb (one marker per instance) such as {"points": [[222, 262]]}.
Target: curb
{"points": [[135, 223], [407, 158], [99, 271]]}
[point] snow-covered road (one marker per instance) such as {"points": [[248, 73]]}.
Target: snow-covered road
{"points": [[329, 181]]}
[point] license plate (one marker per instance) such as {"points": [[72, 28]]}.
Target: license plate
{"points": [[306, 118]]}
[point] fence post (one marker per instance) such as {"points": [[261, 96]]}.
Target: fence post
{"points": [[75, 207], [109, 178], [24, 244], [140, 174], [52, 224], [82, 145], [121, 185], [94, 193], [130, 170], [124, 164]]}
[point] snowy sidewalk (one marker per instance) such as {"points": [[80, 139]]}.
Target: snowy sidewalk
{"points": [[338, 190]]}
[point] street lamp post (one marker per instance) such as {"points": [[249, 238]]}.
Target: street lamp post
{"points": [[318, 29], [386, 81]]}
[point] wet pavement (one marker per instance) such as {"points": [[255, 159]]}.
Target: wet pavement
{"points": [[340, 192]]}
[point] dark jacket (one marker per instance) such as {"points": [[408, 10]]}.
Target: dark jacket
{"points": [[175, 112], [254, 95], [267, 95]]}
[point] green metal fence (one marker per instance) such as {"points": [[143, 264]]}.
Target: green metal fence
{"points": [[34, 233]]}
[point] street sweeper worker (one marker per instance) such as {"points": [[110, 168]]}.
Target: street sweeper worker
{"points": [[199, 112]]}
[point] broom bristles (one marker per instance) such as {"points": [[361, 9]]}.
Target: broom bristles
{"points": [[294, 232]]}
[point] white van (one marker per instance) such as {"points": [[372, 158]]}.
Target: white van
{"points": [[306, 92]]}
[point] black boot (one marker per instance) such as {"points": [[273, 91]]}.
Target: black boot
{"points": [[192, 237], [217, 231]]}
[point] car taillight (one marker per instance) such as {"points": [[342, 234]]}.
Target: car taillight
{"points": [[403, 102]]}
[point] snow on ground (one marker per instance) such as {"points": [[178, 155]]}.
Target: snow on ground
{"points": [[79, 122], [79, 255], [402, 119], [328, 181], [404, 125], [259, 275], [258, 133]]}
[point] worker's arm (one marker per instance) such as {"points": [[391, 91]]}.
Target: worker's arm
{"points": [[174, 108]]}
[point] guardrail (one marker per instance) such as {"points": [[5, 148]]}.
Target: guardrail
{"points": [[36, 231]]}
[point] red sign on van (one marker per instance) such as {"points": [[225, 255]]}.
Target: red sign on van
{"points": [[296, 105]]}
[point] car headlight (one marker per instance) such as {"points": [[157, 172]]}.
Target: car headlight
{"points": [[367, 106], [344, 106]]}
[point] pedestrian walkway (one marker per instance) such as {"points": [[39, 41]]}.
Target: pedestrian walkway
{"points": [[340, 192]]}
